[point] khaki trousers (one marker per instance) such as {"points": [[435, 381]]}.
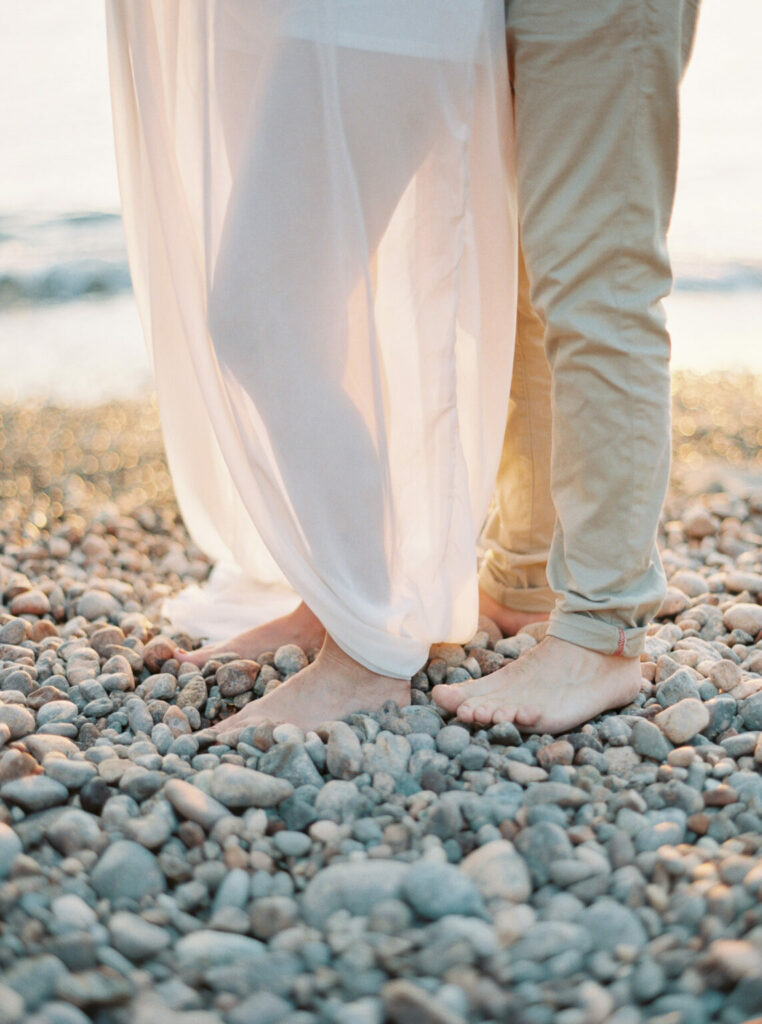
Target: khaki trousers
{"points": [[585, 462]]}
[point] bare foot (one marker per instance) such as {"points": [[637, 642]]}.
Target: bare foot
{"points": [[299, 627], [329, 689], [507, 619], [553, 688]]}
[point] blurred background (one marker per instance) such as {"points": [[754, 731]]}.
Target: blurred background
{"points": [[69, 330]]}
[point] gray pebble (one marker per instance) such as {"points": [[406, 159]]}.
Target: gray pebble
{"points": [[127, 870], [434, 890]]}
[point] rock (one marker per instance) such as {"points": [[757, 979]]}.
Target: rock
{"points": [[747, 617], [542, 844], [735, 959], [662, 833], [610, 925], [291, 761], [195, 805], [736, 581], [725, 675], [31, 602], [691, 583], [19, 720], [207, 948], [422, 719], [343, 752], [353, 886], [239, 787], [682, 721], [127, 870], [408, 1003], [157, 651], [237, 677], [676, 687], [559, 752], [75, 830], [10, 847], [389, 753], [35, 978], [97, 604], [675, 601], [560, 793], [262, 1007], [524, 774], [11, 1005], [136, 938], [193, 694], [57, 711], [698, 522], [499, 872], [292, 844], [340, 800], [273, 914], [434, 890], [751, 712], [94, 988], [290, 659], [648, 740], [452, 739], [34, 792], [39, 746]]}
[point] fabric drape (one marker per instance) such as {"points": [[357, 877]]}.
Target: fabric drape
{"points": [[318, 199]]}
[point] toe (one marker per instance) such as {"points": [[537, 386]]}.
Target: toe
{"points": [[487, 709], [465, 712], [527, 716], [448, 696]]}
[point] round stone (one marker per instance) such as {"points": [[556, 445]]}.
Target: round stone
{"points": [[19, 720], [434, 890], [97, 604], [10, 847], [239, 787], [75, 830], [499, 872], [127, 870], [136, 938], [453, 739]]}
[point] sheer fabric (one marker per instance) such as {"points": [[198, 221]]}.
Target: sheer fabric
{"points": [[319, 206]]}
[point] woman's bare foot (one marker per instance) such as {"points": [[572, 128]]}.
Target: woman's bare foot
{"points": [[509, 621], [553, 687], [299, 627], [331, 688]]}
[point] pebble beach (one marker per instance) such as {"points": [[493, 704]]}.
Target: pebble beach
{"points": [[395, 867]]}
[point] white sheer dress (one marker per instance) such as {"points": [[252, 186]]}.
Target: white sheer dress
{"points": [[319, 205]]}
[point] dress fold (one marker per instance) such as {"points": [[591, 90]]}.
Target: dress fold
{"points": [[319, 205]]}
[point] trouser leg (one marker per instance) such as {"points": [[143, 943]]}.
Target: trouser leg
{"points": [[519, 529], [596, 101]]}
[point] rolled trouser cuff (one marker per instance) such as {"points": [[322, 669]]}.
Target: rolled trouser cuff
{"points": [[531, 600], [594, 633]]}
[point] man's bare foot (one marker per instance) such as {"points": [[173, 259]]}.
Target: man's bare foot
{"points": [[299, 627], [553, 687], [507, 619], [331, 688]]}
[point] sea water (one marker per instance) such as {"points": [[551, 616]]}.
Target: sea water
{"points": [[69, 331]]}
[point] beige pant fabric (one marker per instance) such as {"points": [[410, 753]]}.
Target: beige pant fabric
{"points": [[596, 101]]}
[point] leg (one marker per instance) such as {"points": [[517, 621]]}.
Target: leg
{"points": [[596, 121], [513, 585]]}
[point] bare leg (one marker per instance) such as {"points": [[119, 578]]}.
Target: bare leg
{"points": [[553, 688], [299, 627], [331, 688]]}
